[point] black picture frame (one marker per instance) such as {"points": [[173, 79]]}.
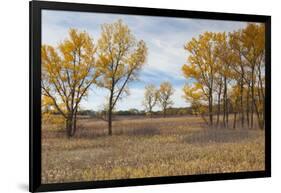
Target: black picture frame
{"points": [[35, 9]]}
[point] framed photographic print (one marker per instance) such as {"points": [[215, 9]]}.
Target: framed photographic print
{"points": [[125, 96]]}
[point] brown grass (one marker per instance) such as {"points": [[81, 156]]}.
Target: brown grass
{"points": [[145, 147]]}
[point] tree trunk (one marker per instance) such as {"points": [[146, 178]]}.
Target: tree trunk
{"points": [[261, 84], [225, 119], [235, 112], [74, 125], [150, 112], [253, 98], [259, 117], [234, 121], [211, 109], [241, 102], [227, 111], [110, 108], [248, 107], [110, 121], [68, 126], [219, 106], [261, 100]]}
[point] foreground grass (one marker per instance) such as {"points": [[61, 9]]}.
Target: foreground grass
{"points": [[148, 148]]}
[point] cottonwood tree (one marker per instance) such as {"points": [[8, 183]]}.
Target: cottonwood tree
{"points": [[151, 96], [202, 66], [67, 73], [165, 93], [121, 59], [225, 60], [240, 70]]}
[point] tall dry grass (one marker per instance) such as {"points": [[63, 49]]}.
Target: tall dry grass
{"points": [[145, 147]]}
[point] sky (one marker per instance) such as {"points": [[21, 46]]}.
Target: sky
{"points": [[165, 38]]}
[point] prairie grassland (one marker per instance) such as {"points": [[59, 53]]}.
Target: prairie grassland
{"points": [[145, 147]]}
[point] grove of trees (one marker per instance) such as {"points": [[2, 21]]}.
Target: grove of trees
{"points": [[227, 70]]}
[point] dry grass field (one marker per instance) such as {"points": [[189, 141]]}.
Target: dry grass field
{"points": [[144, 147]]}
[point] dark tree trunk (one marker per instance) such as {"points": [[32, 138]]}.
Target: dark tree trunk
{"points": [[110, 118], [241, 102], [74, 126], [227, 111], [235, 112], [211, 99], [253, 98], [261, 101], [110, 121], [110, 108], [211, 109], [259, 117], [68, 126], [150, 111], [71, 123], [219, 106], [248, 107], [234, 121], [225, 106]]}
